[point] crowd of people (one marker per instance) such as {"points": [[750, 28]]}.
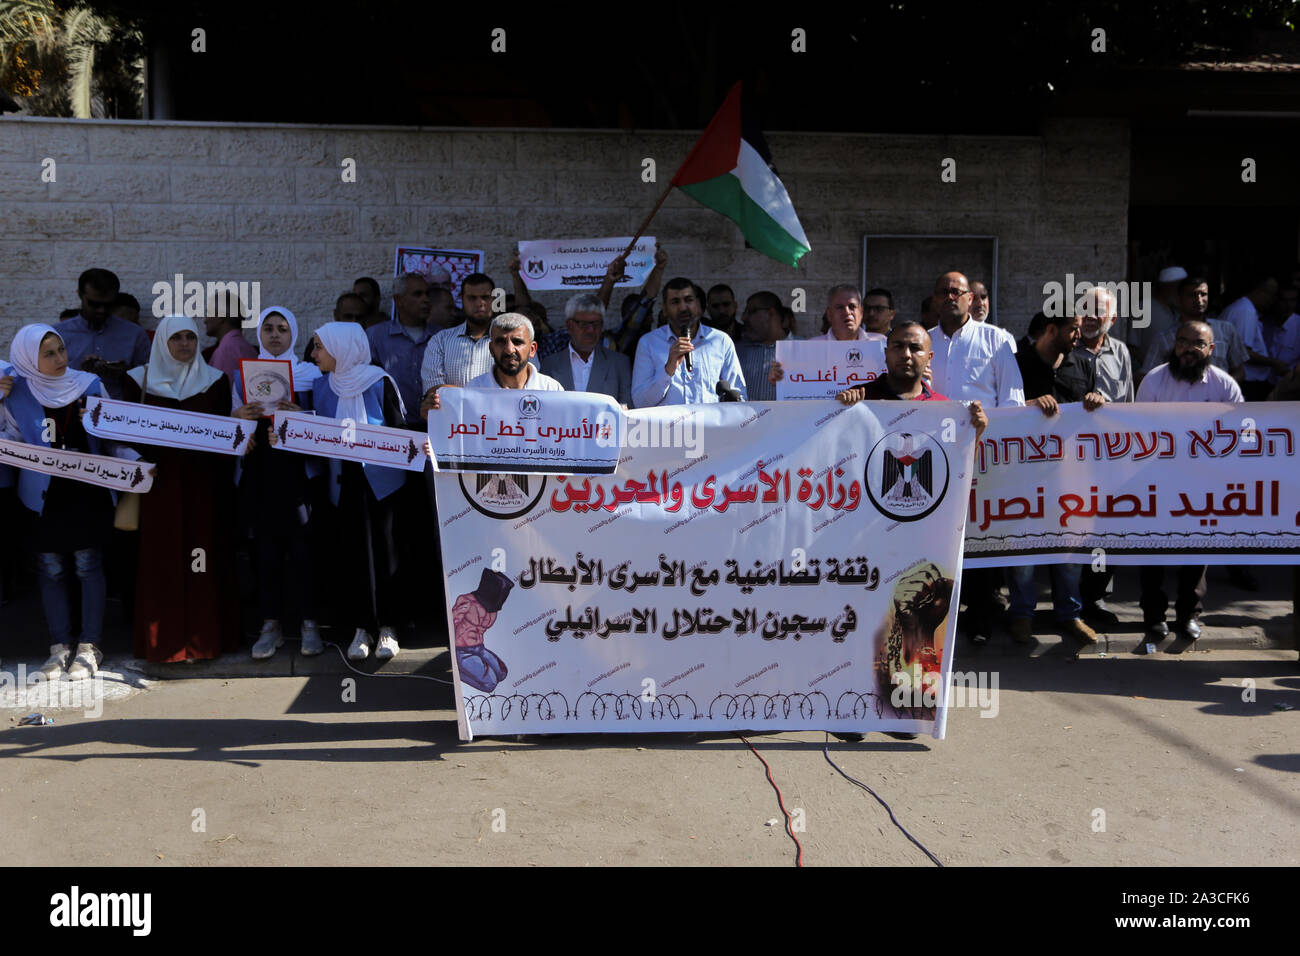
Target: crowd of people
{"points": [[354, 545]]}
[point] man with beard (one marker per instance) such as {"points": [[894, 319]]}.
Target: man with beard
{"points": [[1193, 299], [682, 362], [510, 339], [98, 341], [1189, 376], [722, 310]]}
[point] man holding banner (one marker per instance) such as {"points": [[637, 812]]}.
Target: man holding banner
{"points": [[1054, 373], [1189, 377]]}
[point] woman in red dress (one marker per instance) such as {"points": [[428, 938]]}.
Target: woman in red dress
{"points": [[187, 598]]}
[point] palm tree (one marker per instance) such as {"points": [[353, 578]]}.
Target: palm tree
{"points": [[49, 56]]}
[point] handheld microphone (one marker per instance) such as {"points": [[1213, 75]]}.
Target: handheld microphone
{"points": [[727, 393], [688, 362]]}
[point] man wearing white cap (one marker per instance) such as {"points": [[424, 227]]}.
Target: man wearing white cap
{"points": [[1164, 313]]}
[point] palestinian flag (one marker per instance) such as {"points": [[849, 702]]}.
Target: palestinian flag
{"points": [[729, 169]]}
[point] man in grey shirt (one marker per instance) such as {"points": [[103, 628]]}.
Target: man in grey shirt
{"points": [[1114, 368]]}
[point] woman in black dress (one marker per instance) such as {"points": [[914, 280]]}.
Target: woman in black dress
{"points": [[275, 501]]}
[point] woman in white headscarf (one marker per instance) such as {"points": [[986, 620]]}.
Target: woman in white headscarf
{"points": [[67, 522], [187, 600], [275, 500], [361, 496]]}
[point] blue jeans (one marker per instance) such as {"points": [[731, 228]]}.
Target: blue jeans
{"points": [[480, 668], [52, 571], [1065, 591]]}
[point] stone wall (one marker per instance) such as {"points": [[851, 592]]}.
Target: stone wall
{"points": [[223, 202]]}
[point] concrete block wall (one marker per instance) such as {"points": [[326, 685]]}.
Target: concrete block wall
{"points": [[226, 202]]}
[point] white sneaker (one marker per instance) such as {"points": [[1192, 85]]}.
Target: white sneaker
{"points": [[359, 649], [266, 644], [311, 642], [53, 668], [388, 646], [86, 663]]}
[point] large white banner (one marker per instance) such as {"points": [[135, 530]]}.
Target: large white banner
{"points": [[117, 474], [766, 567], [821, 369], [577, 264], [1167, 483], [130, 422], [518, 430]]}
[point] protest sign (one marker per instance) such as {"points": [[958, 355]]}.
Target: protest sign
{"points": [[170, 427], [309, 434], [117, 474], [521, 431], [577, 264], [1164, 483], [821, 368], [757, 586], [459, 264]]}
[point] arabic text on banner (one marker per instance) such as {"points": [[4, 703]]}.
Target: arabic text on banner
{"points": [[116, 474], [522, 431], [309, 434], [170, 427], [756, 585], [576, 264], [1167, 483], [822, 369]]}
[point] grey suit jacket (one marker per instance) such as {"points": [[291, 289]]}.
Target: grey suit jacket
{"points": [[611, 373]]}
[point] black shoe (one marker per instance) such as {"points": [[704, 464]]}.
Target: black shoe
{"points": [[1242, 578], [898, 735], [1100, 614], [849, 738], [1157, 632], [1189, 629]]}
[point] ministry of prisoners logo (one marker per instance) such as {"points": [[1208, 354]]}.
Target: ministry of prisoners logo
{"points": [[502, 496], [535, 268], [907, 475], [854, 357], [530, 406]]}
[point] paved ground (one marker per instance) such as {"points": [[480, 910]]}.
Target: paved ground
{"points": [[1163, 752]]}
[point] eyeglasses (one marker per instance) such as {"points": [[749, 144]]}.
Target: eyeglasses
{"points": [[589, 324], [951, 292], [1199, 346]]}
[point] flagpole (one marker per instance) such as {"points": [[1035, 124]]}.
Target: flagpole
{"points": [[646, 221]]}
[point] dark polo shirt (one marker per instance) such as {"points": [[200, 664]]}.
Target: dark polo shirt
{"points": [[878, 390], [1075, 377]]}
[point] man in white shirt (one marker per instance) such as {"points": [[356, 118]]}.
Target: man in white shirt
{"points": [[1244, 314], [972, 361], [682, 362], [1190, 377], [585, 365]]}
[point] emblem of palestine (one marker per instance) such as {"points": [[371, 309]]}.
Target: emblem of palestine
{"points": [[502, 496], [907, 475]]}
